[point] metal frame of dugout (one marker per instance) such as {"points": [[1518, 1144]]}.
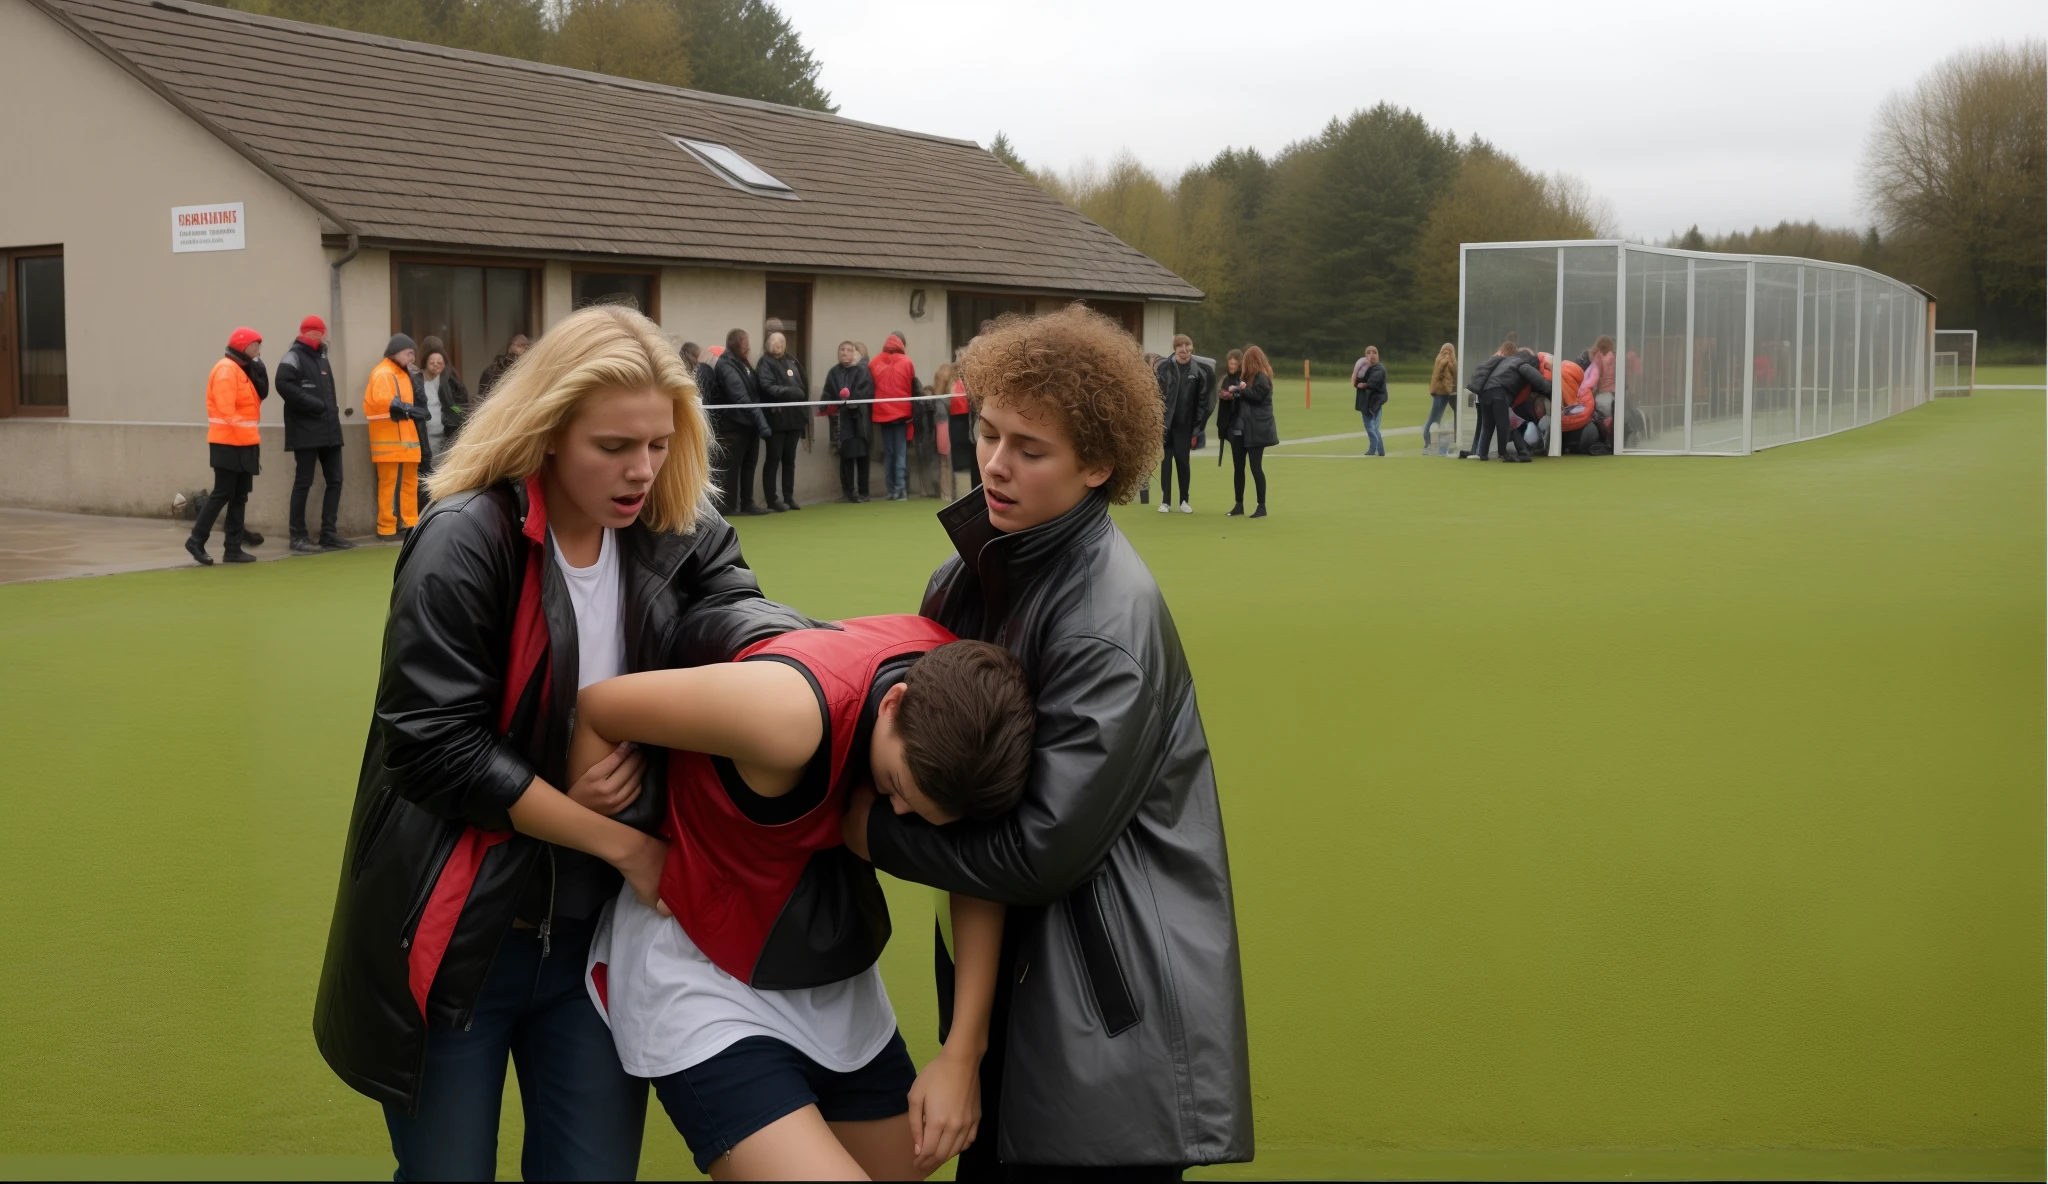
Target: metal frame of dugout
{"points": [[1718, 355]]}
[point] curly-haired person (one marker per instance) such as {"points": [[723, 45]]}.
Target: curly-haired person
{"points": [[1116, 1045]]}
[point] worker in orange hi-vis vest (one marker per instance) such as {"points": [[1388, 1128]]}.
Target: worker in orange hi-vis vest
{"points": [[392, 411], [235, 391]]}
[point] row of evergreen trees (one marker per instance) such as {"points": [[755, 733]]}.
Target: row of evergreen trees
{"points": [[1338, 241], [1351, 237], [732, 47]]}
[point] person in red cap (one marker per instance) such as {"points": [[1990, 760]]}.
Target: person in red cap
{"points": [[312, 433], [234, 395]]}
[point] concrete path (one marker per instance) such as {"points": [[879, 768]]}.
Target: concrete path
{"points": [[41, 545]]}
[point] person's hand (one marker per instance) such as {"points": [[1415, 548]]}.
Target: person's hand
{"points": [[945, 1109], [611, 784], [642, 870], [854, 827], [767, 434]]}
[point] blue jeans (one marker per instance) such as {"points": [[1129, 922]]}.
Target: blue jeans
{"points": [[1378, 446], [894, 473], [584, 1115], [1438, 404]]}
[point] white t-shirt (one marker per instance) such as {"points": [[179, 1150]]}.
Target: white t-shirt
{"points": [[600, 618], [670, 1007]]}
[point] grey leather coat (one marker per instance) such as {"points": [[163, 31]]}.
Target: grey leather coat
{"points": [[1125, 1037]]}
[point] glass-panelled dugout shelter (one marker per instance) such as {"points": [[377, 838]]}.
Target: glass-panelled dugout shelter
{"points": [[1716, 355]]}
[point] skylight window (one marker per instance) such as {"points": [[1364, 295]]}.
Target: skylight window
{"points": [[737, 170]]}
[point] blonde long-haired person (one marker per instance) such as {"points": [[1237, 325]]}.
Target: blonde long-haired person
{"points": [[1443, 387], [568, 541]]}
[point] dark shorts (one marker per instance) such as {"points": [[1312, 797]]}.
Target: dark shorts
{"points": [[717, 1104]]}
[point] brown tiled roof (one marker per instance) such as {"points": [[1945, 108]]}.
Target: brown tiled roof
{"points": [[535, 158]]}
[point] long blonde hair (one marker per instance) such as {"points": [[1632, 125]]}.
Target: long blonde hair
{"points": [[603, 347]]}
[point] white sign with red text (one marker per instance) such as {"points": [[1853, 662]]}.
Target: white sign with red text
{"points": [[207, 228]]}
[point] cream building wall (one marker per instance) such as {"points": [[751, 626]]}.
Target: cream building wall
{"points": [[95, 161]]}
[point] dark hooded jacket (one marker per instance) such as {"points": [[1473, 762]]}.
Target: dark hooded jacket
{"points": [[1123, 1005], [1372, 389], [1254, 425], [305, 384], [850, 420], [734, 386], [781, 380], [443, 766]]}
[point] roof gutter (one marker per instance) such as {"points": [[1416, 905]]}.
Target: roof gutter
{"points": [[156, 86]]}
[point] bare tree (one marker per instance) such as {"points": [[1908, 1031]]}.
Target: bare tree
{"points": [[1954, 174]]}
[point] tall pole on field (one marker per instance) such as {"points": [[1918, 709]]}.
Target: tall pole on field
{"points": [[1307, 388]]}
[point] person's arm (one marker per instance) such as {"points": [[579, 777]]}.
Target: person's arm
{"points": [[259, 378], [1533, 375], [1100, 723], [1258, 392], [761, 714], [551, 816], [945, 1104]]}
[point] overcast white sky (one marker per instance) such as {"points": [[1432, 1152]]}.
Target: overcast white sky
{"points": [[1728, 115]]}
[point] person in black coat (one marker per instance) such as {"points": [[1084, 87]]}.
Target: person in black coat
{"points": [[850, 380], [780, 378], [739, 424], [1506, 374], [312, 433], [1370, 379], [1184, 388], [503, 362], [1252, 427]]}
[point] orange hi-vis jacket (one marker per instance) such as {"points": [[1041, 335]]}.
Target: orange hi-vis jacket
{"points": [[232, 406], [392, 441]]}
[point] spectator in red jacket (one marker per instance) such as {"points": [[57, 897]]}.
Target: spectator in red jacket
{"points": [[895, 385]]}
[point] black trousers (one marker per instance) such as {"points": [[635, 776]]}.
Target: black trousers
{"points": [[853, 476], [779, 457], [1497, 407], [736, 454], [231, 489], [328, 461], [1238, 455], [1175, 457]]}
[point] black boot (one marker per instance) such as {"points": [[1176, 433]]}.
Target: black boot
{"points": [[334, 542], [197, 550], [1260, 512], [237, 556], [305, 546], [1236, 511], [251, 539]]}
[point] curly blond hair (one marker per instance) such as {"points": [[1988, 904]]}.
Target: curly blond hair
{"points": [[603, 347], [1081, 370]]}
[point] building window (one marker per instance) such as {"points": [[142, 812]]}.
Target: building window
{"points": [[475, 309], [636, 290], [34, 373], [789, 301], [732, 168], [966, 311]]}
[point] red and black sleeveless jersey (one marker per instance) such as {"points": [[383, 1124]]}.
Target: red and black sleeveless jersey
{"points": [[764, 886]]}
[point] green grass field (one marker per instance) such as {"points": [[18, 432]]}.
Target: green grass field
{"points": [[1665, 816]]}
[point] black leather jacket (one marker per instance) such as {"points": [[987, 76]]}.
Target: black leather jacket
{"points": [[1125, 1040], [435, 761], [733, 385]]}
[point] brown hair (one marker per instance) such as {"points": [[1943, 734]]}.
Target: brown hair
{"points": [[1604, 346], [968, 724], [1255, 363], [1236, 355], [1506, 347], [736, 343], [1180, 339], [1082, 370], [942, 378]]}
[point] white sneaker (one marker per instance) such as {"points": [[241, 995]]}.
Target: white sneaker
{"points": [[1164, 508], [1186, 508]]}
